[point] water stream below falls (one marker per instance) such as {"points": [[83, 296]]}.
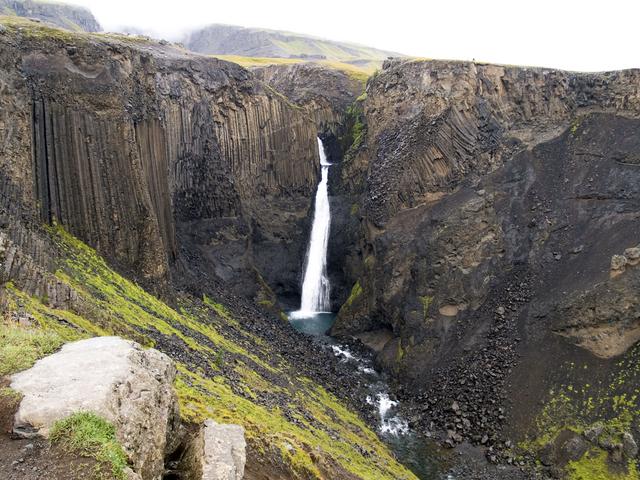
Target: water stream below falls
{"points": [[314, 318]]}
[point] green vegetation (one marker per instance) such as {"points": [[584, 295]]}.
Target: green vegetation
{"points": [[357, 73], [41, 31], [593, 465], [426, 303], [11, 395], [21, 347], [355, 130], [89, 435], [231, 375], [356, 291], [578, 406]]}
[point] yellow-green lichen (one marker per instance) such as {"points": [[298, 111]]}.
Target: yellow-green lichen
{"points": [[594, 465], [356, 291]]}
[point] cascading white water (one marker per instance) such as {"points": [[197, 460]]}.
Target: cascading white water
{"points": [[315, 285]]}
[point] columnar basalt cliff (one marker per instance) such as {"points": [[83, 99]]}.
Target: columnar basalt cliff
{"points": [[194, 179], [188, 139], [488, 202]]}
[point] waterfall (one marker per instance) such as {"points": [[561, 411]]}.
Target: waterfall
{"points": [[315, 286]]}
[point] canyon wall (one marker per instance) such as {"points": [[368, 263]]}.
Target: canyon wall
{"points": [[146, 152], [487, 203], [193, 180], [326, 93]]}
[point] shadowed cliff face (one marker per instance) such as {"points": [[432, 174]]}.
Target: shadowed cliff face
{"points": [[146, 152], [489, 202], [328, 96], [324, 92]]}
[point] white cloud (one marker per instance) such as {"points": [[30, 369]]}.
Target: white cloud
{"points": [[577, 35]]}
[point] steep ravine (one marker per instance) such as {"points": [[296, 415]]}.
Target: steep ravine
{"points": [[490, 208], [131, 168], [484, 246]]}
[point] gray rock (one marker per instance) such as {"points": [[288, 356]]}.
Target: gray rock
{"points": [[632, 255], [574, 447], [224, 452], [618, 262], [115, 378], [629, 445], [592, 433]]}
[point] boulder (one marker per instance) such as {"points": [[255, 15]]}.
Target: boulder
{"points": [[618, 262], [224, 451], [632, 255], [629, 445], [117, 379]]}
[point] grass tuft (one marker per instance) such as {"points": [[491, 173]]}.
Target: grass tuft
{"points": [[20, 347], [92, 436]]}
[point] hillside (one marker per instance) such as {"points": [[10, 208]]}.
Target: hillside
{"points": [[256, 42], [63, 15]]}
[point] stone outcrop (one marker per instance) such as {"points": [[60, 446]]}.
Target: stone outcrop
{"points": [[486, 205], [71, 17], [114, 378]]}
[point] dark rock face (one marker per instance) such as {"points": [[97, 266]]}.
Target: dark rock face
{"points": [[148, 153], [490, 202], [71, 17], [324, 92]]}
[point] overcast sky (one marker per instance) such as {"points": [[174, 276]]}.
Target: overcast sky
{"points": [[577, 35]]}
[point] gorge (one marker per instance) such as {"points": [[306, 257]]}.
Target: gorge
{"points": [[429, 274]]}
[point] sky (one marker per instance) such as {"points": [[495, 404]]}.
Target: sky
{"points": [[585, 35]]}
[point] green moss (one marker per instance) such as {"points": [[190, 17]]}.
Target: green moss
{"points": [[355, 130], [355, 208], [39, 31], [577, 406], [89, 435], [10, 395], [426, 303], [369, 261], [20, 347], [356, 291], [300, 460], [593, 465]]}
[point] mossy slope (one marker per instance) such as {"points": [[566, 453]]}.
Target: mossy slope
{"points": [[225, 373]]}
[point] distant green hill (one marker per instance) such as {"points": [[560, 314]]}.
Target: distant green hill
{"points": [[262, 43], [71, 17]]}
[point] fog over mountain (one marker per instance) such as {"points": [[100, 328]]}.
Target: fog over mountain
{"points": [[576, 35]]}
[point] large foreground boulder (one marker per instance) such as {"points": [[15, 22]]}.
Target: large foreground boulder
{"points": [[115, 378]]}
